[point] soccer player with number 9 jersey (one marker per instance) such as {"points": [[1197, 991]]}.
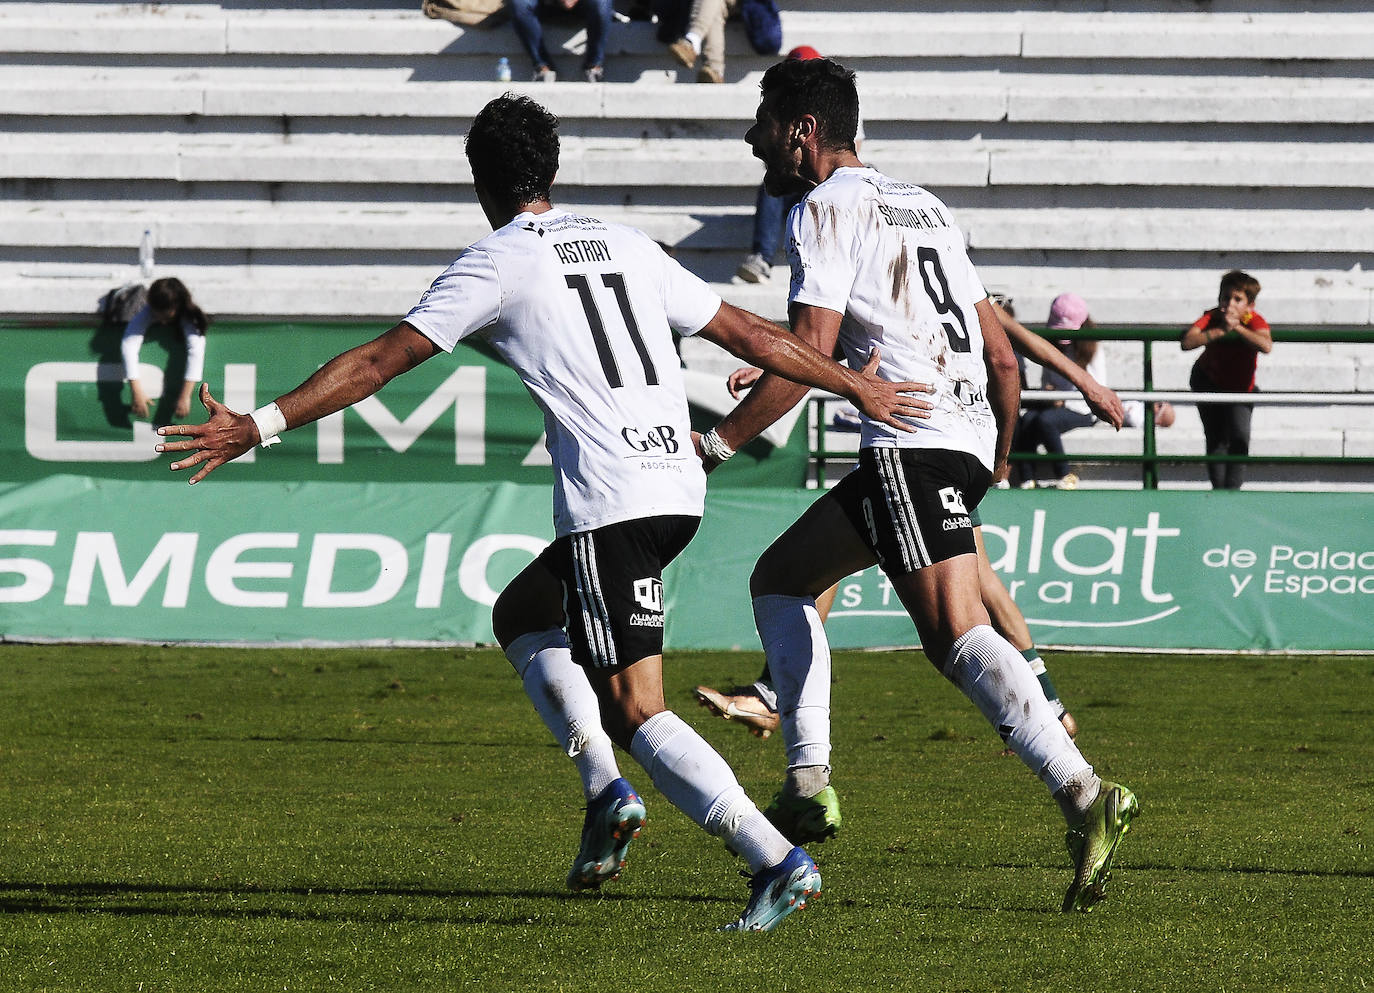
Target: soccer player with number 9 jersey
{"points": [[878, 264]]}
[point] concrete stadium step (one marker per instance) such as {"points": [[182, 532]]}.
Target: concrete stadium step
{"points": [[208, 29], [1078, 117], [1176, 35], [384, 289], [428, 160], [907, 95], [1271, 438], [639, 162], [310, 226], [370, 291], [1167, 229], [1177, 295], [1291, 366], [387, 289], [341, 225], [1180, 163]]}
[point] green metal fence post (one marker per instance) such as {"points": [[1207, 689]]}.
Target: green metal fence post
{"points": [[1149, 468]]}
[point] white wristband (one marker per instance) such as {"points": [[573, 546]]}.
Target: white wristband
{"points": [[714, 446], [270, 424]]}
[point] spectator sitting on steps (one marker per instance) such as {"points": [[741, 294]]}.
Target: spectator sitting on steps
{"points": [[705, 38], [1045, 425], [526, 16]]}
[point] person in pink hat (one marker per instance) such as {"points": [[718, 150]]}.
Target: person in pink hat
{"points": [[1044, 426]]}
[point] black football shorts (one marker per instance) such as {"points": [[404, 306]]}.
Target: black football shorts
{"points": [[914, 506], [613, 586]]}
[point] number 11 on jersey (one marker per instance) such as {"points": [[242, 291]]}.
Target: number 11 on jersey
{"points": [[615, 282]]}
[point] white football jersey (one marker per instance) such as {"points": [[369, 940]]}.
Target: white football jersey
{"points": [[582, 310], [888, 256]]}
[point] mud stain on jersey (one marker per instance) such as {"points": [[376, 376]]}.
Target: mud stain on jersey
{"points": [[900, 273], [823, 220]]}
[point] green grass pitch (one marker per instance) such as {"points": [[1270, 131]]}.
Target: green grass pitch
{"points": [[197, 819]]}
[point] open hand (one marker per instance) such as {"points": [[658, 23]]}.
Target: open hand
{"points": [[222, 438], [1105, 405], [742, 379], [888, 402], [138, 400]]}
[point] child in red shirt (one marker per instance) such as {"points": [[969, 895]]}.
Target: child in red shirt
{"points": [[1232, 335]]}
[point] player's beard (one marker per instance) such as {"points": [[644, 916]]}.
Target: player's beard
{"points": [[781, 179]]}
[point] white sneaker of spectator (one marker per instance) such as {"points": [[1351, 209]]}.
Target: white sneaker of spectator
{"points": [[754, 269]]}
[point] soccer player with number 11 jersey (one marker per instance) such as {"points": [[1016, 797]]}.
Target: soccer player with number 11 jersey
{"points": [[583, 311]]}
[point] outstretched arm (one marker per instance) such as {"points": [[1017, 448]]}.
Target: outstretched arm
{"points": [[1103, 402], [341, 382], [798, 360], [1004, 384]]}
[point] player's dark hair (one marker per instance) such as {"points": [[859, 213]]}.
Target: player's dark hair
{"points": [[822, 88], [171, 294], [512, 147], [1243, 281]]}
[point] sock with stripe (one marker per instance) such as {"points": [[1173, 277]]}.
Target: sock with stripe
{"points": [[567, 704], [1037, 664]]}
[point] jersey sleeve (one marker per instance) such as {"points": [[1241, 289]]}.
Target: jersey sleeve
{"points": [[975, 281], [465, 298], [195, 352], [821, 253], [131, 344], [688, 300]]}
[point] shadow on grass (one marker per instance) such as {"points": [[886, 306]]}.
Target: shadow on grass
{"points": [[290, 903], [1239, 870]]}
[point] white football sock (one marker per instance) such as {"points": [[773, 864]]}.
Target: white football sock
{"points": [[566, 702], [698, 782], [798, 656], [992, 674]]}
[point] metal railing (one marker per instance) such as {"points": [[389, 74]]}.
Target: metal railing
{"points": [[1150, 458]]}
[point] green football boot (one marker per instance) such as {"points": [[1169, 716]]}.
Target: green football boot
{"points": [[804, 820], [1093, 841]]}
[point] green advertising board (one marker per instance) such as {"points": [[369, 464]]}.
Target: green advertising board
{"points": [[244, 562], [399, 520], [64, 408]]}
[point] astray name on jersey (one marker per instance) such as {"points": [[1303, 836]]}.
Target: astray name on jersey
{"points": [[646, 620], [588, 250], [921, 218]]}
